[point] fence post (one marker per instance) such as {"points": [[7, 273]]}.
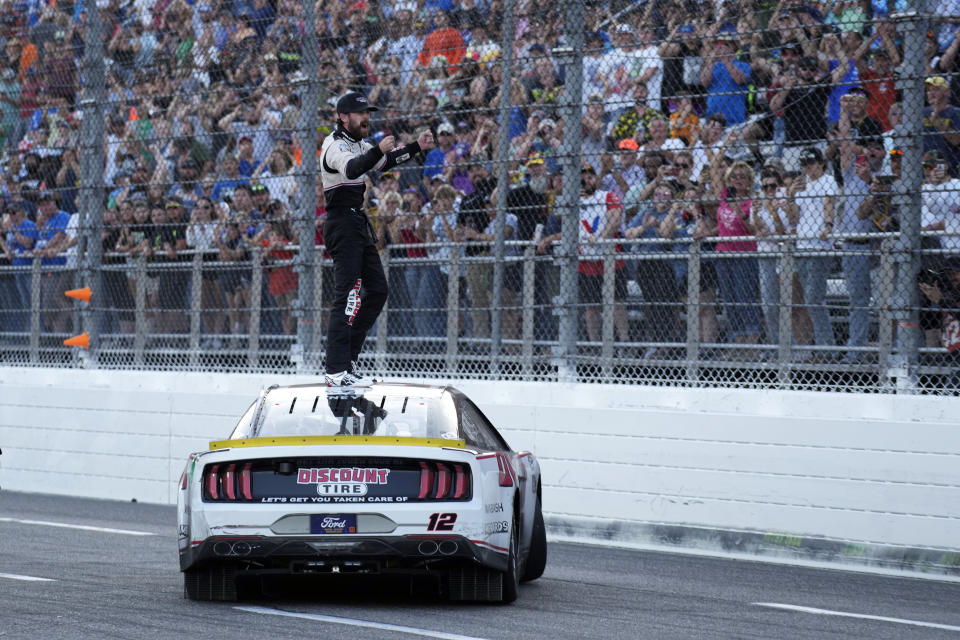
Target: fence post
{"points": [[36, 318], [196, 306], [140, 312], [785, 315], [694, 255], [453, 310], [609, 302], [256, 302], [528, 299], [382, 321]]}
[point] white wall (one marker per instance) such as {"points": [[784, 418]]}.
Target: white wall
{"points": [[621, 462]]}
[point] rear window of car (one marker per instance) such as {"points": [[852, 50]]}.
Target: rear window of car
{"points": [[394, 412]]}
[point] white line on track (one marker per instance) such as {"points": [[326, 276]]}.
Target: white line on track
{"points": [[358, 623], [862, 616], [83, 527], [16, 576]]}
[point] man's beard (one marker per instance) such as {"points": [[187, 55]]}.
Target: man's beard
{"points": [[588, 189], [539, 184], [359, 132]]}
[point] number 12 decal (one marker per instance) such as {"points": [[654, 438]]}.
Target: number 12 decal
{"points": [[441, 521]]}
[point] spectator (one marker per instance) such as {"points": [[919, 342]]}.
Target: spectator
{"points": [[737, 275], [115, 284], [228, 180], [725, 80], [858, 165], [52, 241], [281, 280], [621, 169], [705, 149], [391, 223], [20, 236], [444, 40], [941, 121], [940, 195], [439, 225], [169, 246], [594, 131], [480, 278], [769, 217], [632, 123], [684, 123], [659, 138], [601, 214], [815, 198], [878, 79], [436, 158], [802, 98], [201, 236], [661, 318], [234, 280]]}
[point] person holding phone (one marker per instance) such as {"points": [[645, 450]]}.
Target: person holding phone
{"points": [[815, 197]]}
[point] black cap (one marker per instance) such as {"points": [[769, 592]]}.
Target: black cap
{"points": [[807, 62], [354, 102], [811, 154], [588, 169]]}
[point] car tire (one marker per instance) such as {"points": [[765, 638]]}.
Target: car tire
{"points": [[511, 577], [211, 583], [537, 556]]}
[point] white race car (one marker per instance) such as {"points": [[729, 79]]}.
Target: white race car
{"points": [[392, 479]]}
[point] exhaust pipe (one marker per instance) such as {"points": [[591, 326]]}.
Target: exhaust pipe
{"points": [[448, 547], [427, 548]]}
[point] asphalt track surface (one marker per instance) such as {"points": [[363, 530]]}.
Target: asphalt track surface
{"points": [[103, 581]]}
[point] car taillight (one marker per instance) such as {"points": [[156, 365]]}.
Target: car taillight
{"points": [[506, 470], [225, 483], [439, 481]]}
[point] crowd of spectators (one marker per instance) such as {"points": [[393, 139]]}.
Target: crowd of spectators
{"points": [[700, 119]]}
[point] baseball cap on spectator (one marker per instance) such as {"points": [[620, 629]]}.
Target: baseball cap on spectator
{"points": [[245, 139], [137, 198], [45, 195], [445, 127], [258, 188], [172, 203], [439, 176], [547, 122], [807, 62], [871, 141], [463, 126], [354, 102], [588, 168], [413, 190], [937, 81], [934, 155], [628, 144], [595, 98], [534, 158], [624, 28], [773, 162], [810, 155], [790, 47], [188, 162], [857, 90]]}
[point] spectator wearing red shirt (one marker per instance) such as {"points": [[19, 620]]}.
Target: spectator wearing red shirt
{"points": [[445, 41], [878, 78]]}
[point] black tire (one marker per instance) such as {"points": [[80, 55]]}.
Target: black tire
{"points": [[511, 577], [211, 583], [537, 556]]}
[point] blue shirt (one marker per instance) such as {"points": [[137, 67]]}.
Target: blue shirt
{"points": [[434, 162], [25, 228], [57, 224], [226, 187], [726, 96], [850, 78]]}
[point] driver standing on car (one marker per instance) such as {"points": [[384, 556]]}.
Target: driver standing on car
{"points": [[344, 159]]}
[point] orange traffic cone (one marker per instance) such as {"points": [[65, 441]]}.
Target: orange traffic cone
{"points": [[79, 294], [82, 340]]}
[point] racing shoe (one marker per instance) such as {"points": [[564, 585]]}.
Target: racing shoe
{"points": [[345, 379]]}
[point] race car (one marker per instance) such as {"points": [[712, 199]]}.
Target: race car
{"points": [[391, 479]]}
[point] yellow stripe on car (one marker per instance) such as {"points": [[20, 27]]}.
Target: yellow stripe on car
{"points": [[282, 441]]}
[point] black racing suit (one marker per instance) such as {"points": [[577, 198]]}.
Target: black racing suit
{"points": [[350, 239]]}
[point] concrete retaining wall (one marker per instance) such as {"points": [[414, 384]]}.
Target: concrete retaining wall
{"points": [[858, 478]]}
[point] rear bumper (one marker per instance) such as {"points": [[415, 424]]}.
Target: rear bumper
{"points": [[348, 554]]}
